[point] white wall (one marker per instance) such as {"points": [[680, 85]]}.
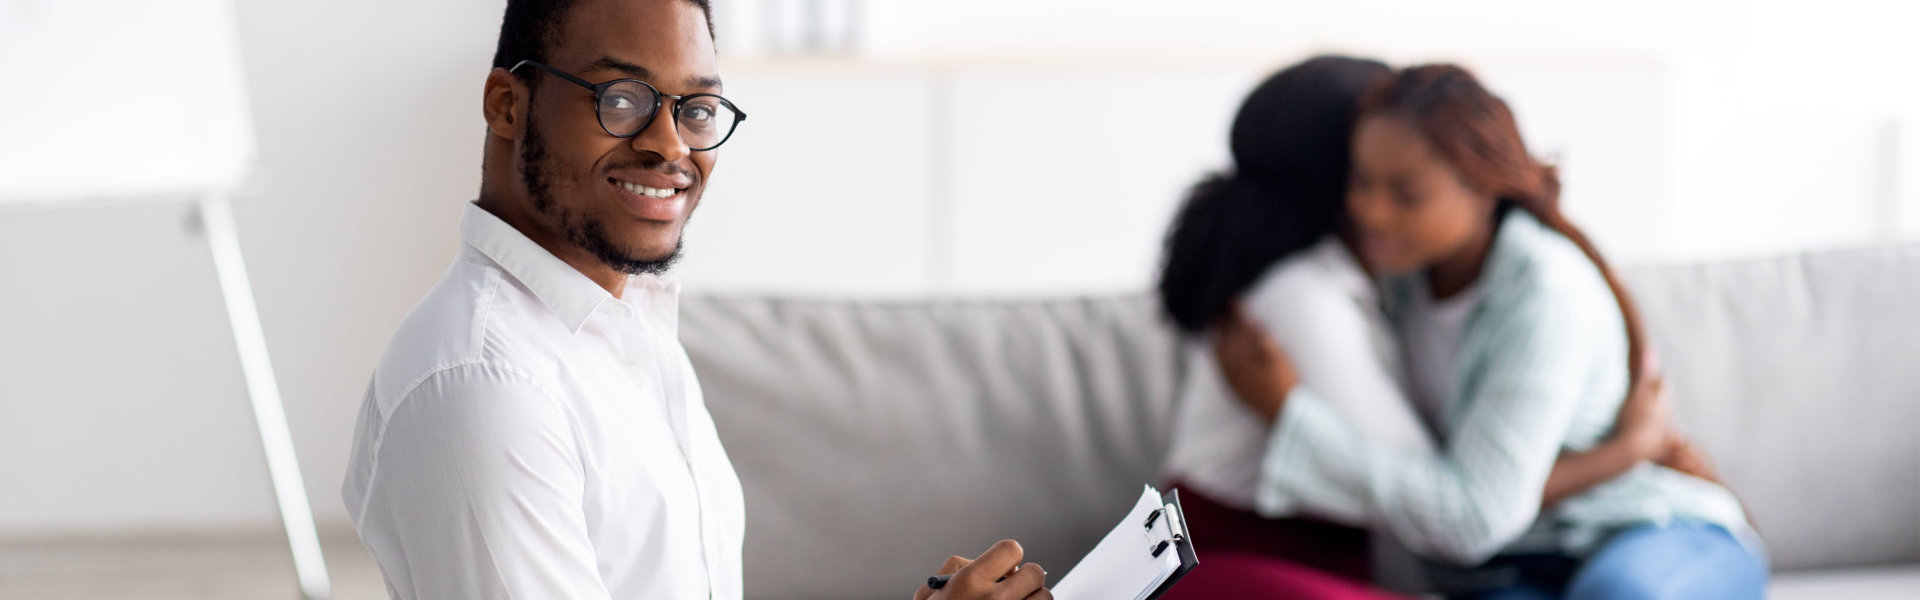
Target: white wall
{"points": [[990, 147], [121, 402]]}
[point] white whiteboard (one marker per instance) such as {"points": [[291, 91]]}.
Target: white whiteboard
{"points": [[120, 99]]}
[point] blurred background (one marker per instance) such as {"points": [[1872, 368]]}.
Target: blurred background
{"points": [[894, 149]]}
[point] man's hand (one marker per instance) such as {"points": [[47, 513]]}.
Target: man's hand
{"points": [[1255, 367], [992, 576]]}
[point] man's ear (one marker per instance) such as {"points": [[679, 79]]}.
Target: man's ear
{"points": [[503, 104]]}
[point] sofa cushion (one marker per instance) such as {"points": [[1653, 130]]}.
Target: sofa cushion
{"points": [[1800, 376]]}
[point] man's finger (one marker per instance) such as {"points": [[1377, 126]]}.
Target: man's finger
{"points": [[1041, 594], [992, 564], [1029, 579], [953, 565]]}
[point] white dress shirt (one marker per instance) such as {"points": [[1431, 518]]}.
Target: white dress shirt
{"points": [[528, 435], [1325, 314]]}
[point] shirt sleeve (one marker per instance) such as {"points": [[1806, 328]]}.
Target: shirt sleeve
{"points": [[1343, 352], [1482, 489], [477, 493]]}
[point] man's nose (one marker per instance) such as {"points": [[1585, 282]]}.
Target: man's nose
{"points": [[662, 137]]}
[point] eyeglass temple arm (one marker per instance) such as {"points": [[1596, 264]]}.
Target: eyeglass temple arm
{"points": [[556, 73]]}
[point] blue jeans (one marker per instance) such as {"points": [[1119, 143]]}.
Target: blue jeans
{"points": [[1682, 560]]}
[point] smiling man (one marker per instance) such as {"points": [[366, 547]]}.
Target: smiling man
{"points": [[535, 429]]}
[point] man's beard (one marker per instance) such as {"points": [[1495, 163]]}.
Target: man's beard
{"points": [[586, 233]]}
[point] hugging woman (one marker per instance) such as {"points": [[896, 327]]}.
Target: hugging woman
{"points": [[1396, 333]]}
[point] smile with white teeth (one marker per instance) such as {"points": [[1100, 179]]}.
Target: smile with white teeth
{"points": [[647, 191]]}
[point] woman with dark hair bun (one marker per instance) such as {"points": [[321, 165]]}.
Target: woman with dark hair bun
{"points": [[1270, 237], [1267, 231], [1519, 345]]}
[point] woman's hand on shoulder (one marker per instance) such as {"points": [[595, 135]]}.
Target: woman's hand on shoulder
{"points": [[1255, 367]]}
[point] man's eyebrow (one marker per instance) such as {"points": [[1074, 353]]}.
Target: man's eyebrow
{"points": [[608, 63]]}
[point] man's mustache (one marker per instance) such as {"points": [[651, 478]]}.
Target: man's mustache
{"points": [[662, 166]]}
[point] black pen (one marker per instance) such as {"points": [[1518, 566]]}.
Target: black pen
{"points": [[940, 581]]}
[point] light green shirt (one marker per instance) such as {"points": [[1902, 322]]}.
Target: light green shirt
{"points": [[1542, 368]]}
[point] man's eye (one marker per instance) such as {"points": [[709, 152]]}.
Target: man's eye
{"points": [[697, 113], [619, 102]]}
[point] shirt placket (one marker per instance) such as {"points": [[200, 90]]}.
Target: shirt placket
{"points": [[646, 349]]}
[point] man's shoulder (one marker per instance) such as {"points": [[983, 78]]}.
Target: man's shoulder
{"points": [[475, 318]]}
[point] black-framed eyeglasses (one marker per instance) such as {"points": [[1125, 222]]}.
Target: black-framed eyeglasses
{"points": [[627, 107]]}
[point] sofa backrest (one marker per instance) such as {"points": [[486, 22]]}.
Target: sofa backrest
{"points": [[876, 438], [1800, 376]]}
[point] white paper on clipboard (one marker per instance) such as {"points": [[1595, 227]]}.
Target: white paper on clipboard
{"points": [[1125, 564]]}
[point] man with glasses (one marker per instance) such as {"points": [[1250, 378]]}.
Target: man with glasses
{"points": [[535, 429]]}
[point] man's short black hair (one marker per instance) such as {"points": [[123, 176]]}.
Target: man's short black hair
{"points": [[531, 27]]}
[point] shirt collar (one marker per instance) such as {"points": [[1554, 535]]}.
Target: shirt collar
{"points": [[1519, 238], [566, 291]]}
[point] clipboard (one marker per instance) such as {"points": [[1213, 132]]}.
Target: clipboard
{"points": [[1141, 558], [1182, 544]]}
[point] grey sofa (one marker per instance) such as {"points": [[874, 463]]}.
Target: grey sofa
{"points": [[875, 438]]}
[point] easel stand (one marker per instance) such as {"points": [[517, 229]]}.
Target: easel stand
{"points": [[269, 414]]}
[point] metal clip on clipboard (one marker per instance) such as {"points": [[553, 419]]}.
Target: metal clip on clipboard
{"points": [[1141, 558]]}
